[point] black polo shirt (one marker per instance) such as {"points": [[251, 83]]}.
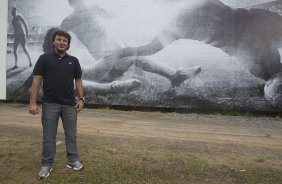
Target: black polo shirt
{"points": [[58, 77]]}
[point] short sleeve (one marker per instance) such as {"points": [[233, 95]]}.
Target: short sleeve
{"points": [[77, 70], [39, 66]]}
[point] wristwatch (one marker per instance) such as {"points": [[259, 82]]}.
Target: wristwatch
{"points": [[82, 98]]}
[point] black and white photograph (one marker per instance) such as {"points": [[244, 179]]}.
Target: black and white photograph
{"points": [[204, 54]]}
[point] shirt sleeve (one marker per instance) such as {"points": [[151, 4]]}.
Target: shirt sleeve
{"points": [[77, 71], [39, 66]]}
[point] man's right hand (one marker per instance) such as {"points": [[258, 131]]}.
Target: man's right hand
{"points": [[33, 109]]}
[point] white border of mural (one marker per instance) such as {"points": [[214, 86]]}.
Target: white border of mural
{"points": [[3, 45]]}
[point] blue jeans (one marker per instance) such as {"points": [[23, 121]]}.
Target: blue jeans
{"points": [[51, 112]]}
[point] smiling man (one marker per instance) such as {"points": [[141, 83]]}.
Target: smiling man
{"points": [[58, 70]]}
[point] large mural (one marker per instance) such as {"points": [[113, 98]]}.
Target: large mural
{"points": [[204, 54]]}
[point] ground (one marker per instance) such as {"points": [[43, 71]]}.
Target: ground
{"points": [[147, 147]]}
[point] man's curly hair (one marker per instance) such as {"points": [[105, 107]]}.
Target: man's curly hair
{"points": [[47, 44]]}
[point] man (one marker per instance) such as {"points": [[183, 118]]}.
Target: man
{"points": [[58, 70], [104, 77], [252, 36], [86, 23], [20, 35]]}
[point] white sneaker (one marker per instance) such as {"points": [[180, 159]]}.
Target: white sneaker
{"points": [[77, 166], [44, 172]]}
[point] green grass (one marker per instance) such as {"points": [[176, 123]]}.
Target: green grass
{"points": [[113, 160]]}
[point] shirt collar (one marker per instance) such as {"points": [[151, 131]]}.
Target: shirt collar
{"points": [[57, 55]]}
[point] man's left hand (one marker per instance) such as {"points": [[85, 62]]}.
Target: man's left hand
{"points": [[79, 105]]}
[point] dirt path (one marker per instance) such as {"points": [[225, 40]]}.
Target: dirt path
{"points": [[228, 137]]}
